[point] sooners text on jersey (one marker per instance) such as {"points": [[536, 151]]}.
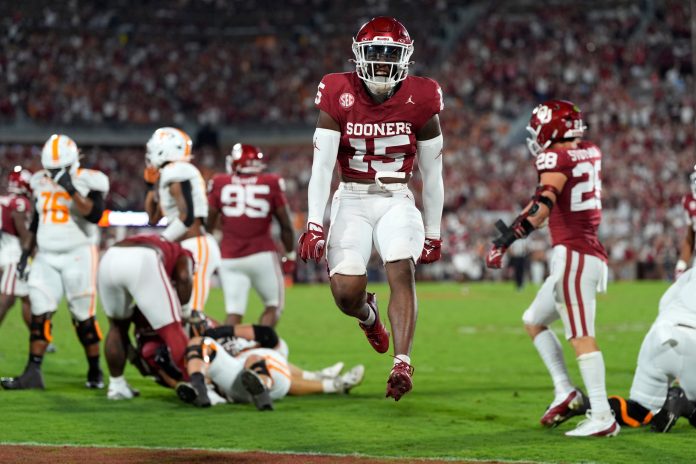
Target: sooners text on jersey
{"points": [[377, 136], [246, 204], [575, 218], [689, 204]]}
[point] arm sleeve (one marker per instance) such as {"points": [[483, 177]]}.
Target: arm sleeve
{"points": [[430, 166], [97, 210], [326, 143]]}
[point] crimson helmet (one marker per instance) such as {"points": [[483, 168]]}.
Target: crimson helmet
{"points": [[382, 49], [18, 181], [245, 159], [692, 181], [554, 121]]}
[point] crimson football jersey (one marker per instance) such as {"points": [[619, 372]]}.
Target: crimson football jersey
{"points": [[8, 204], [377, 136], [169, 251], [575, 218], [689, 204], [246, 203]]}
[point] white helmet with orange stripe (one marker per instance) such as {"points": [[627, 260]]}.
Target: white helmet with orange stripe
{"points": [[168, 144], [60, 151]]}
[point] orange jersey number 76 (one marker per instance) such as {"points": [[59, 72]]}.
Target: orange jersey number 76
{"points": [[59, 213]]}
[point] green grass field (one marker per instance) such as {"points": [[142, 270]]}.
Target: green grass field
{"points": [[479, 387]]}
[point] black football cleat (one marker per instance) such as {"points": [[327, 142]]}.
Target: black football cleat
{"points": [[31, 378], [675, 406], [197, 396], [95, 379], [259, 393]]}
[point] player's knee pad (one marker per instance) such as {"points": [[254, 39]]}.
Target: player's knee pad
{"points": [[629, 412], [205, 351], [88, 331], [266, 336], [40, 328], [348, 263]]}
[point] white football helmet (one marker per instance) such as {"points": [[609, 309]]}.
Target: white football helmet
{"points": [[60, 151], [168, 144]]}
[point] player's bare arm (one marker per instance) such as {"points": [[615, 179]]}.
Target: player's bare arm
{"points": [[287, 232], [186, 225], [430, 129]]}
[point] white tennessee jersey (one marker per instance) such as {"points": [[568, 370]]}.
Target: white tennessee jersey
{"points": [[678, 304], [181, 171], [61, 226]]}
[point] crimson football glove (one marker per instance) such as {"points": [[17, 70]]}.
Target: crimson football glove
{"points": [[494, 259], [312, 242], [431, 250], [288, 263]]}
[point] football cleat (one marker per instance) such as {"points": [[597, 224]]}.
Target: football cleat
{"points": [[121, 391], [95, 379], [350, 379], [31, 378], [575, 404], [193, 393], [331, 371], [400, 381], [257, 389], [676, 405], [596, 427], [376, 334]]}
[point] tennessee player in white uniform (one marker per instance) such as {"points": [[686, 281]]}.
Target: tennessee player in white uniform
{"points": [[14, 215], [182, 198], [69, 204]]}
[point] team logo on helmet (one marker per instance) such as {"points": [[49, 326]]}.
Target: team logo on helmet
{"points": [[346, 100]]}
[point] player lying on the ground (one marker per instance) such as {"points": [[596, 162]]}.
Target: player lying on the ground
{"points": [[668, 352], [242, 373], [157, 274], [69, 203]]}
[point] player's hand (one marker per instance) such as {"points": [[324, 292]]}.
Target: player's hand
{"points": [[289, 263], [151, 175], [22, 265], [494, 259], [431, 250], [62, 177], [312, 242]]}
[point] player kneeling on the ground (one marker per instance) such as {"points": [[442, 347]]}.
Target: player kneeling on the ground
{"points": [[668, 352], [69, 204], [569, 195], [157, 274]]}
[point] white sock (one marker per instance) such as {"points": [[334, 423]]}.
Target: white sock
{"points": [[120, 380], [592, 371], [370, 318], [551, 353], [328, 385], [402, 358]]}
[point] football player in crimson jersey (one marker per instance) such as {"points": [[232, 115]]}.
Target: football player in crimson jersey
{"points": [[158, 275], [244, 201], [687, 247], [14, 210], [375, 122], [569, 195], [69, 203]]}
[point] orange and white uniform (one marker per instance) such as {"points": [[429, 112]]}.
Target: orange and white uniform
{"points": [[204, 248], [66, 262]]}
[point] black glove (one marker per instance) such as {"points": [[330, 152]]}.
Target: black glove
{"points": [[62, 177], [22, 265]]}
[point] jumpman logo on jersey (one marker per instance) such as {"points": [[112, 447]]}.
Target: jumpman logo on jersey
{"points": [[410, 100]]}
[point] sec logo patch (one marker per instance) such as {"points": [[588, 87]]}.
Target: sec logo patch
{"points": [[346, 100]]}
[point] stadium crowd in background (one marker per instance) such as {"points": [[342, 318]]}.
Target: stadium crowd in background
{"points": [[627, 65]]}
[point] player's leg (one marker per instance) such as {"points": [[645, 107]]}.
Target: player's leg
{"points": [[200, 352], [568, 401], [267, 279], [45, 289], [79, 276], [349, 246], [206, 254], [303, 384], [235, 287], [399, 237], [7, 289], [576, 295]]}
